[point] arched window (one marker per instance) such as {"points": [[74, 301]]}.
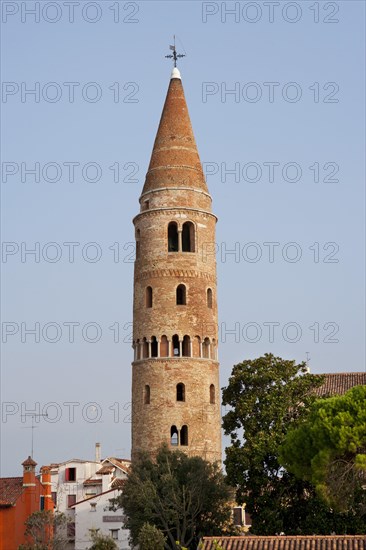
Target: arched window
{"points": [[137, 243], [188, 244], [186, 346], [172, 237], [164, 346], [209, 298], [184, 435], [145, 348], [197, 346], [148, 296], [147, 395], [181, 392], [176, 348], [206, 348], [212, 394], [181, 298], [174, 436], [154, 347], [138, 350]]}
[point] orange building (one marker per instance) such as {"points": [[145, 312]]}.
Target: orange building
{"points": [[19, 498]]}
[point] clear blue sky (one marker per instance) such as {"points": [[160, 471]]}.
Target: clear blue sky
{"points": [[315, 198]]}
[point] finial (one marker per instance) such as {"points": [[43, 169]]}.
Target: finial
{"points": [[174, 55]]}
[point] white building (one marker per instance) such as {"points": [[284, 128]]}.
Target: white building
{"points": [[92, 514], [76, 480]]}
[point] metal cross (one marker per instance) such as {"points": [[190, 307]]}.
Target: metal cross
{"points": [[174, 55]]}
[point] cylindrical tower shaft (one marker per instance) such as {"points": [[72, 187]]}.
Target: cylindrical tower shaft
{"points": [[175, 380]]}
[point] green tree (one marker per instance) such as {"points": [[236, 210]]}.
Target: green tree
{"points": [[184, 497], [267, 396], [102, 542], [329, 450], [45, 530], [151, 538]]}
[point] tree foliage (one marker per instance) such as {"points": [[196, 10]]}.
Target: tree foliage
{"points": [[45, 530], [102, 542], [151, 538], [266, 396], [329, 450], [184, 497], [269, 397]]}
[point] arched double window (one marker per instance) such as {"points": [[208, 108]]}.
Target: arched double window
{"points": [[188, 237], [181, 295], [173, 237]]}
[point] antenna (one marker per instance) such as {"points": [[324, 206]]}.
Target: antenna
{"points": [[33, 427], [174, 55]]}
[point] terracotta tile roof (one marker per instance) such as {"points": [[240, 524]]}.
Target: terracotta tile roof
{"points": [[314, 542], [92, 482], [337, 383], [10, 490], [107, 469], [118, 483]]}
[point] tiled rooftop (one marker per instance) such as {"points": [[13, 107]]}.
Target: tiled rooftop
{"points": [[338, 383], [314, 542], [10, 489]]}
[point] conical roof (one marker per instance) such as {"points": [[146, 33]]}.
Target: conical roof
{"points": [[29, 462], [175, 162]]}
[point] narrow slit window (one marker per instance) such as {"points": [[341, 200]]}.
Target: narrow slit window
{"points": [[209, 297], [212, 394], [149, 296], [181, 392], [181, 295], [147, 395], [137, 243]]}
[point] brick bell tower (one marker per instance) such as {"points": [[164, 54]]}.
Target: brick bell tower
{"points": [[175, 372]]}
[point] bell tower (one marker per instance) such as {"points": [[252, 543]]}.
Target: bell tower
{"points": [[175, 372]]}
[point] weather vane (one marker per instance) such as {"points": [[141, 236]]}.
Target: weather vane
{"points": [[174, 55]]}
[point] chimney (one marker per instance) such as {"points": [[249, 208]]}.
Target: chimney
{"points": [[30, 498], [97, 452], [46, 482], [29, 472]]}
